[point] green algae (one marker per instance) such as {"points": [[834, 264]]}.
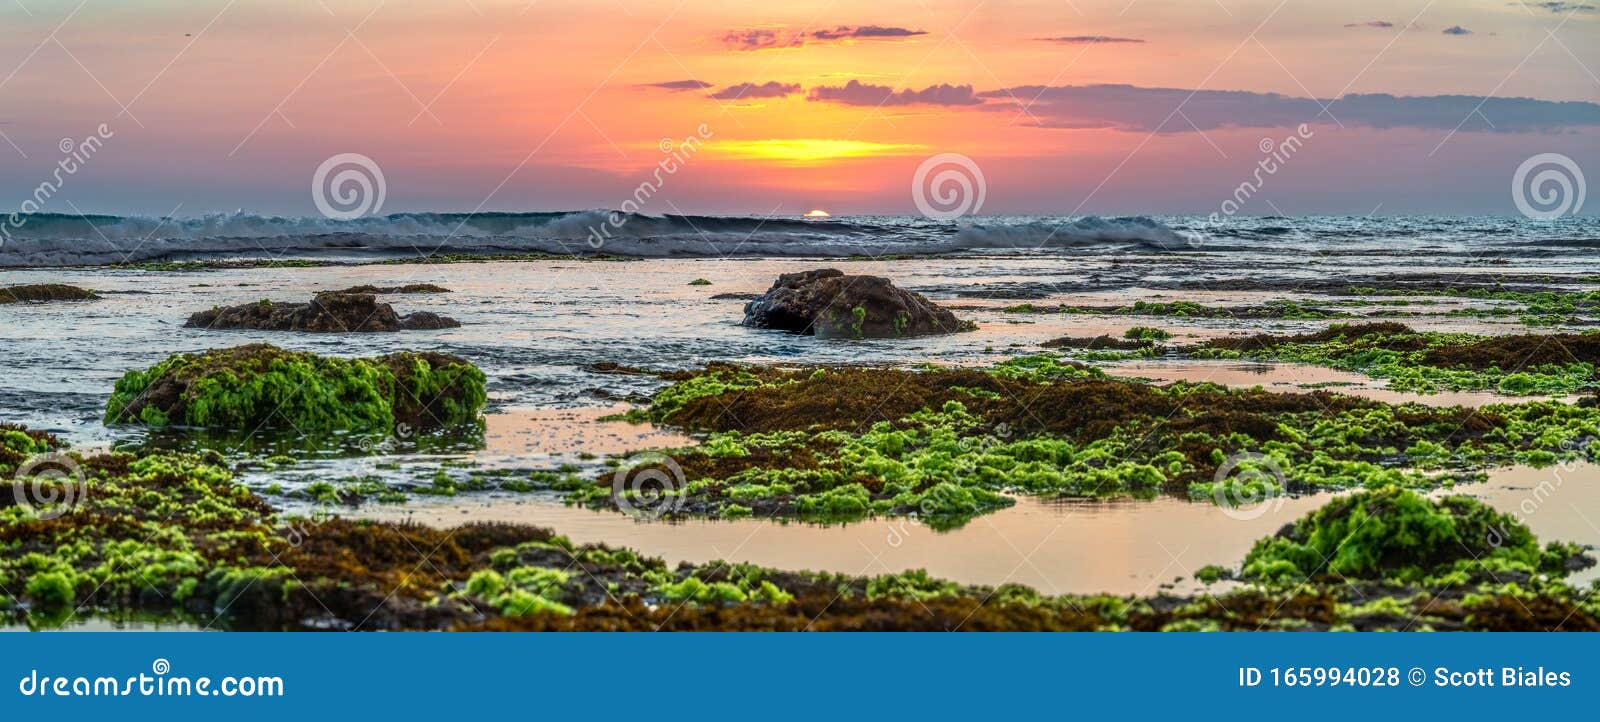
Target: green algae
{"points": [[952, 444], [174, 536], [1430, 362], [259, 386], [1282, 309], [1537, 309], [43, 292], [1396, 534], [1147, 333]]}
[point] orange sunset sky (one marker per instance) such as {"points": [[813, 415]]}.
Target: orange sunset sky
{"points": [[1068, 106]]}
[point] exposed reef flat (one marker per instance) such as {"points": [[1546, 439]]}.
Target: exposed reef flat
{"points": [[174, 536]]}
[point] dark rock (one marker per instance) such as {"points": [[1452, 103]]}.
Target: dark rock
{"points": [[828, 304], [42, 292], [1097, 343], [332, 312], [408, 288]]}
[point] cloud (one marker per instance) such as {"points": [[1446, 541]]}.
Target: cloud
{"points": [[847, 32], [1456, 30], [770, 89], [759, 39], [1563, 7], [1087, 39], [856, 92], [1132, 108], [770, 38], [1371, 24], [677, 85]]}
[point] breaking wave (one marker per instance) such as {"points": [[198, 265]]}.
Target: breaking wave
{"points": [[42, 240]]}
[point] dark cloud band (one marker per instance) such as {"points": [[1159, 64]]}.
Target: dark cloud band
{"points": [[1127, 107], [856, 92]]}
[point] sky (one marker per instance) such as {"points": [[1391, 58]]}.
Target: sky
{"points": [[1063, 106]]}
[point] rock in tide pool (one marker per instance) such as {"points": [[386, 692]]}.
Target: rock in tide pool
{"points": [[829, 304], [43, 292], [255, 386], [332, 312], [407, 288]]}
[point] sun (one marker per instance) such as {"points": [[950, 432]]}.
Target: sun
{"points": [[818, 213]]}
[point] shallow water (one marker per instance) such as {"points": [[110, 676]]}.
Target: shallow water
{"points": [[534, 327], [1126, 546]]}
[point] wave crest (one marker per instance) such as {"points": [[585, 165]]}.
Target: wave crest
{"points": [[67, 240]]}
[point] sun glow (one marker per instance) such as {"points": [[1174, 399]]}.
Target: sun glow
{"points": [[810, 150], [818, 213]]}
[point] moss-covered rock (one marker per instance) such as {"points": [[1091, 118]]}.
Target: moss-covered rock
{"points": [[829, 304], [1393, 533], [332, 312], [261, 386], [42, 292]]}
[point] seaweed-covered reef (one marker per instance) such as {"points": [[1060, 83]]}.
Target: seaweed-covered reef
{"points": [[843, 443], [1428, 362], [174, 536], [262, 386]]}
